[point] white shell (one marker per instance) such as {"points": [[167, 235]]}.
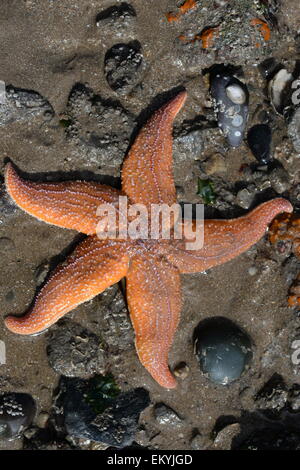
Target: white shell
{"points": [[236, 94], [277, 85]]}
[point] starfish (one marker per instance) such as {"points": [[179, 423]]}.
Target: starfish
{"points": [[152, 267]]}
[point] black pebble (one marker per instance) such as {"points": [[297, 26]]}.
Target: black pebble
{"points": [[223, 349], [259, 140]]}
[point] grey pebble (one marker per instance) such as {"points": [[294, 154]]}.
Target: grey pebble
{"points": [[165, 415]]}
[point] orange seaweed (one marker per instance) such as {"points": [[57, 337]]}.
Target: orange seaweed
{"points": [[207, 37], [264, 28], [172, 17], [187, 5], [184, 8]]}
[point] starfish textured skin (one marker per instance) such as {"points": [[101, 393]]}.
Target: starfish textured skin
{"points": [[152, 267]]}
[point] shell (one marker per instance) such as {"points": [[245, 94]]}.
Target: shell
{"points": [[277, 89], [231, 105], [236, 94]]}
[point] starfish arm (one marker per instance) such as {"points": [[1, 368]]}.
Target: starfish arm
{"points": [[147, 173], [154, 301], [90, 269], [224, 239], [69, 204]]}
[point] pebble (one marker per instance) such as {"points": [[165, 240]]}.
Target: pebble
{"points": [[273, 395], [214, 164], [42, 419], [223, 440], [187, 145], [166, 416], [116, 328], [116, 18], [223, 350], [197, 442], [252, 270], [245, 197], [41, 272], [74, 351], [280, 180], [181, 370], [115, 426], [123, 67], [22, 105], [259, 140], [101, 127]]}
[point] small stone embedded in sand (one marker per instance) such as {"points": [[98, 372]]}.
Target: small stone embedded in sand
{"points": [[223, 349], [224, 438], [188, 144], [216, 163], [166, 416], [280, 180], [252, 270], [74, 351], [116, 18], [197, 442], [100, 127], [182, 370], [42, 419], [41, 272], [272, 397], [245, 197], [21, 105], [123, 67]]}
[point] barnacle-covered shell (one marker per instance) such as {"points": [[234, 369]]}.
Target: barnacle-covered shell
{"points": [[231, 105]]}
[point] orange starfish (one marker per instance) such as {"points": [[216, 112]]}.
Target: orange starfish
{"points": [[152, 266]]}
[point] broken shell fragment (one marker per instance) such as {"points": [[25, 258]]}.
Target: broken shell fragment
{"points": [[279, 90], [230, 97]]}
